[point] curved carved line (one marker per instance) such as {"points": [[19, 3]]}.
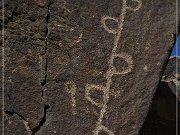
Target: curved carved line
{"points": [[128, 59], [103, 21], [90, 87], [137, 7]]}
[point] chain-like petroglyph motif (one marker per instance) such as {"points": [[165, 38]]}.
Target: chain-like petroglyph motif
{"points": [[111, 70], [71, 89]]}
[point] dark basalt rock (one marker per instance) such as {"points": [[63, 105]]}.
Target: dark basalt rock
{"points": [[14, 124], [25, 41], [76, 67]]}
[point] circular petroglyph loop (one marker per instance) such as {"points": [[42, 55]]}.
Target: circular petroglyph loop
{"points": [[139, 4], [103, 21], [129, 61], [91, 87]]}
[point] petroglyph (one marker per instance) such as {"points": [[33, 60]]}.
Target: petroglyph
{"points": [[112, 70], [145, 68], [79, 38], [136, 8], [71, 89], [90, 87], [103, 22], [76, 41], [128, 59]]}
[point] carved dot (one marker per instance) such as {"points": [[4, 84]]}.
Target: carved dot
{"points": [[120, 64]]}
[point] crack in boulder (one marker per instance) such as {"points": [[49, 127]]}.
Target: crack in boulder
{"points": [[42, 122], [26, 124]]}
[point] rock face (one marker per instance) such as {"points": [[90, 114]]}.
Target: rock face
{"points": [[84, 67], [25, 43], [172, 75]]}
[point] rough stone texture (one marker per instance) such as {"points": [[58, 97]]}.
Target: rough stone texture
{"points": [[1, 97], [59, 50], [172, 75], [15, 125], [25, 43]]}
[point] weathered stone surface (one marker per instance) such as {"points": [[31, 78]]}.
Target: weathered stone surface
{"points": [[95, 63], [25, 43], [15, 125], [172, 75], [81, 37]]}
